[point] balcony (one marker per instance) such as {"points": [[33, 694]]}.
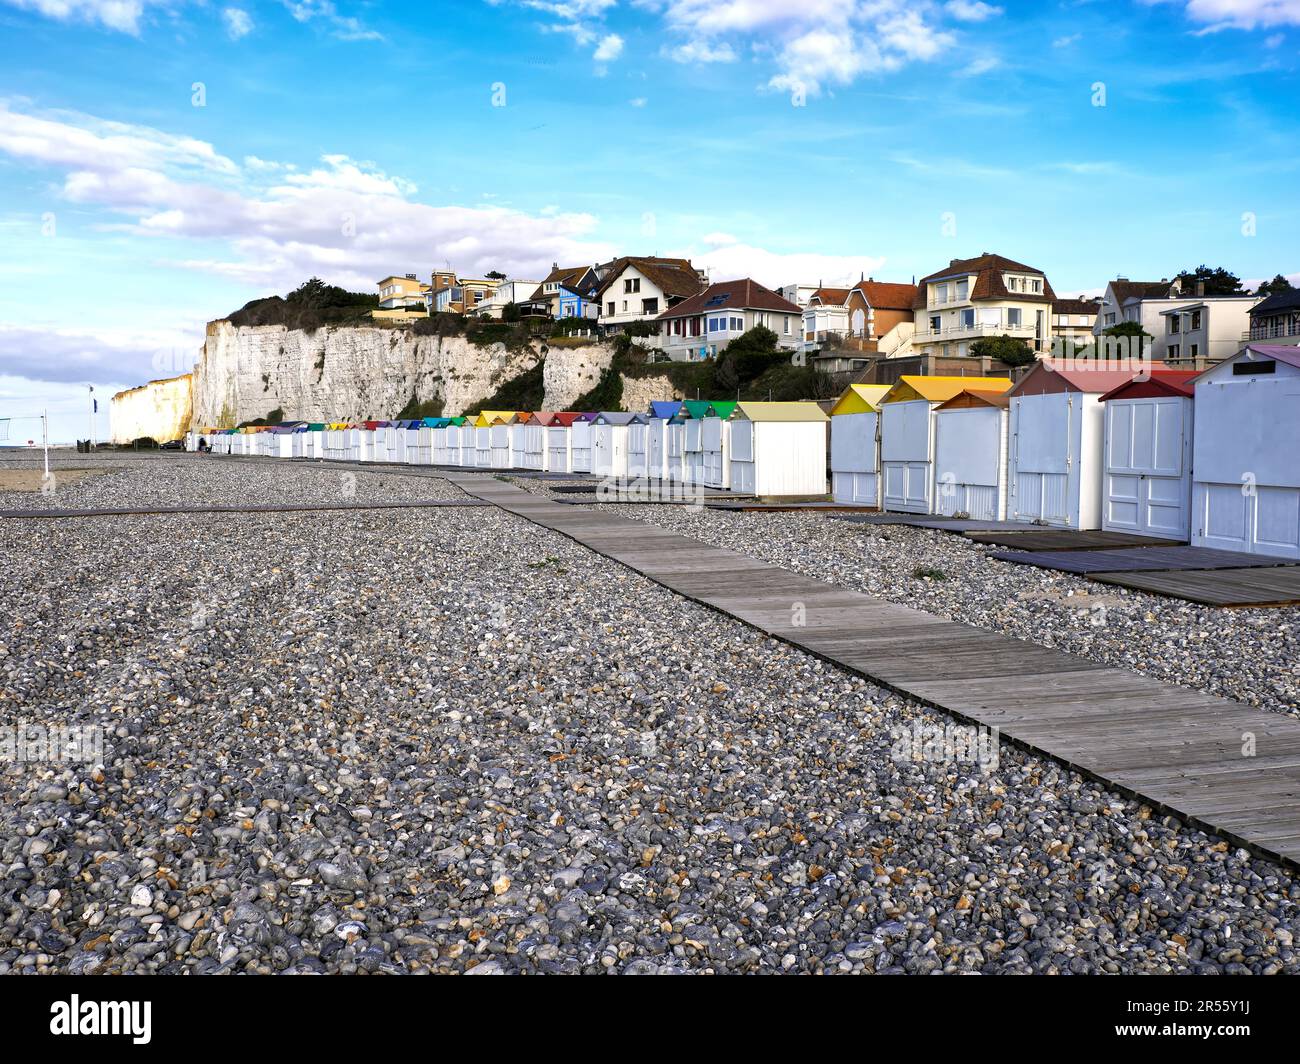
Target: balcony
{"points": [[978, 329], [1278, 330]]}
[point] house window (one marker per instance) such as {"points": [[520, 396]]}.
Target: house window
{"points": [[1110, 319], [1196, 350], [934, 325], [738, 324], [1013, 317], [1196, 319], [632, 284], [963, 287], [1038, 286], [967, 318], [1173, 324], [625, 305], [786, 328], [941, 293], [1173, 351], [650, 306], [610, 310]]}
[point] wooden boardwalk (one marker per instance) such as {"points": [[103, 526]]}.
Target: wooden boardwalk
{"points": [[1177, 749]]}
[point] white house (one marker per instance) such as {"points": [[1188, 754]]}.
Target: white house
{"points": [[704, 324], [640, 288]]}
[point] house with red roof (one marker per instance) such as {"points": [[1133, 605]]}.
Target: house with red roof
{"points": [[640, 288], [988, 295], [704, 324], [871, 318]]}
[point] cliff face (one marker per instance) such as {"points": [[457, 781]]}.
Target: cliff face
{"points": [[351, 372], [159, 410]]}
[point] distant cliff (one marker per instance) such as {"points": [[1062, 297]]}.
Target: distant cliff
{"points": [[340, 372], [159, 410]]}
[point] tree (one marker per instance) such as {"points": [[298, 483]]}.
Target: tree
{"points": [[1273, 287], [1128, 329], [511, 312], [495, 275], [1218, 281], [1010, 350]]}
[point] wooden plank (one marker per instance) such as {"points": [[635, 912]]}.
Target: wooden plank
{"points": [[1216, 587], [1068, 539], [1141, 559]]}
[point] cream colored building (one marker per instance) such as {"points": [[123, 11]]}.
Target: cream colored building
{"points": [[397, 293], [971, 299]]}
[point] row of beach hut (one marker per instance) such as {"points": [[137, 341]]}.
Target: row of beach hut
{"points": [[770, 449], [1213, 457]]}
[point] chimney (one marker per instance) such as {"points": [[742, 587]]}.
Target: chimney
{"points": [[1200, 289]]}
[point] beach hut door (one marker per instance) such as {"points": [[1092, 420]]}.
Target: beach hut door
{"points": [[1147, 483], [1043, 459]]}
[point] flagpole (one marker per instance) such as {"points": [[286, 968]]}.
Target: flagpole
{"points": [[45, 433]]}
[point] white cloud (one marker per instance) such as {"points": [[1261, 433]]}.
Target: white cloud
{"points": [[812, 43], [1066, 41], [701, 52], [981, 65], [345, 220], [609, 49], [239, 23], [971, 10], [1217, 15], [731, 260], [123, 15], [639, 101], [344, 27]]}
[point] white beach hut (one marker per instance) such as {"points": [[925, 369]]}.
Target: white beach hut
{"points": [[1147, 483], [559, 442], [970, 456], [609, 442], [531, 437], [855, 445], [1246, 464], [907, 436], [581, 432], [778, 450], [1055, 462]]}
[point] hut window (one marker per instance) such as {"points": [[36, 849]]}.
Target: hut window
{"points": [[1246, 369]]}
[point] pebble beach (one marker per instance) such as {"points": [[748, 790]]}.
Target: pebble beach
{"points": [[409, 741]]}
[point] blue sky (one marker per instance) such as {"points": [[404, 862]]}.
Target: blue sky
{"points": [[163, 162]]}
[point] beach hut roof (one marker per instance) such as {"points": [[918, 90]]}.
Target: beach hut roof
{"points": [[967, 399], [666, 410], [860, 398], [617, 417], [1078, 375], [492, 417], [940, 389], [315, 426], [540, 417], [696, 408], [1161, 383], [780, 411], [722, 409], [372, 425], [1277, 352], [564, 417]]}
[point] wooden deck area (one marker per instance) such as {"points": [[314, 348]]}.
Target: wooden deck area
{"points": [[1069, 539], [1276, 586], [1140, 559], [1175, 748]]}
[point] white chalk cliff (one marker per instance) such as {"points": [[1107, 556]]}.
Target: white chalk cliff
{"points": [[350, 372]]}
